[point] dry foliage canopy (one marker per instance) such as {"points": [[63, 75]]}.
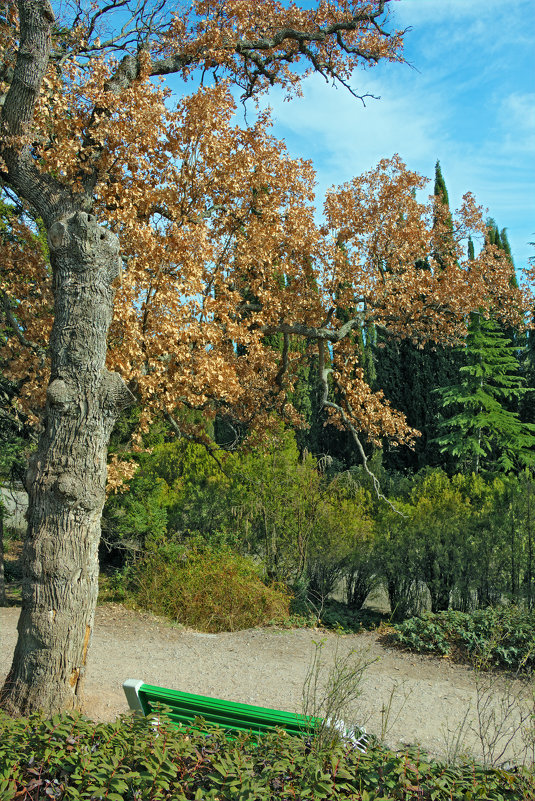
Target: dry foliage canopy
{"points": [[220, 240]]}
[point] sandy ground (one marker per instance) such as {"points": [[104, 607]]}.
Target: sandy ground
{"points": [[406, 698]]}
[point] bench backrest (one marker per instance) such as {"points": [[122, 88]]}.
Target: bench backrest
{"points": [[233, 717]]}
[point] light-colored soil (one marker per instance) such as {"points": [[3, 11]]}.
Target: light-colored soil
{"points": [[411, 699]]}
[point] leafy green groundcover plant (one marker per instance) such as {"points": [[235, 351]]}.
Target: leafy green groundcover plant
{"points": [[496, 637], [137, 759]]}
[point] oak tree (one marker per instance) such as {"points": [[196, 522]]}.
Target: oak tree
{"points": [[203, 231]]}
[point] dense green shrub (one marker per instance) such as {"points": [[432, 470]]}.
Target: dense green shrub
{"points": [[178, 487], [271, 502], [136, 759], [300, 523], [438, 521], [495, 637], [340, 544], [465, 540], [461, 541], [207, 589], [395, 558]]}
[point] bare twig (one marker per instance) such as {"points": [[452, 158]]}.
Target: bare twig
{"points": [[211, 451], [324, 381]]}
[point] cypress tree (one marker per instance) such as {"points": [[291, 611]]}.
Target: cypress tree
{"points": [[408, 374], [493, 235], [440, 190], [516, 336], [444, 240], [471, 252], [504, 241]]}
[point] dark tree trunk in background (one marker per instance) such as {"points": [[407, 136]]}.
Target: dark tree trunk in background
{"points": [[3, 599]]}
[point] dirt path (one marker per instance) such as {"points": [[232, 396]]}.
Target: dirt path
{"points": [[427, 698]]}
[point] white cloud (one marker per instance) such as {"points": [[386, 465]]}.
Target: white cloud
{"points": [[465, 36], [469, 103], [412, 12], [348, 131], [517, 119], [346, 139]]}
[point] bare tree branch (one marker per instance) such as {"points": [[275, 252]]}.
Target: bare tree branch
{"points": [[324, 381], [145, 19], [181, 434], [308, 332]]}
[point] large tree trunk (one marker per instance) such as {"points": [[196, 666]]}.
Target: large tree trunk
{"points": [[67, 475]]}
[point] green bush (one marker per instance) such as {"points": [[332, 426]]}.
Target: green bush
{"points": [[209, 590], [177, 487], [395, 556], [495, 637], [136, 759], [439, 520]]}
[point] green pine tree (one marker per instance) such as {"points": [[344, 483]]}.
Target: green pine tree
{"points": [[482, 431]]}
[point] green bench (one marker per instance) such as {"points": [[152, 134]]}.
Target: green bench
{"points": [[183, 708]]}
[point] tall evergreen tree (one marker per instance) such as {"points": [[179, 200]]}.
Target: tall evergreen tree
{"points": [[440, 190], [517, 337], [482, 431], [443, 223], [504, 240], [471, 251], [527, 406], [408, 374]]}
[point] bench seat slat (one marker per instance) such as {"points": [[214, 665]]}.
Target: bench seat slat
{"points": [[233, 725]]}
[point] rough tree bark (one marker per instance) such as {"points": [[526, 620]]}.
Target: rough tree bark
{"points": [[67, 475]]}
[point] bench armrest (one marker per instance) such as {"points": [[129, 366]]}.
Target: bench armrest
{"points": [[131, 689]]}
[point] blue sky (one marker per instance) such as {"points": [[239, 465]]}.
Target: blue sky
{"points": [[469, 101]]}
